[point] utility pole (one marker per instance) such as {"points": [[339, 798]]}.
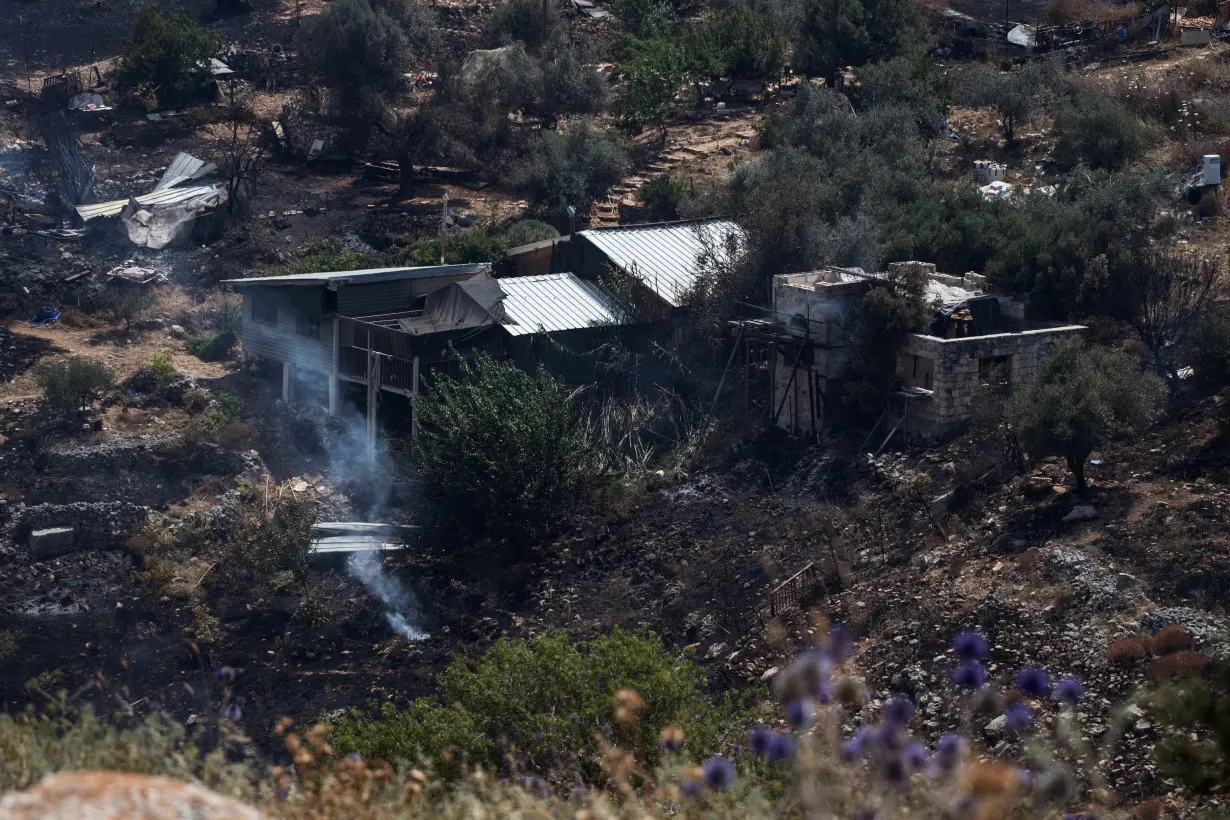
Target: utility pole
{"points": [[443, 228]]}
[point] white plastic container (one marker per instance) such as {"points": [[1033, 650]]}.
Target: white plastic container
{"points": [[1212, 169]]}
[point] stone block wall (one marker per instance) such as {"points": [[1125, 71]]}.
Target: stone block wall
{"points": [[101, 525], [956, 363]]}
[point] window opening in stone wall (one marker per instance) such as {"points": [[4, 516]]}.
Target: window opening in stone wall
{"points": [[993, 370]]}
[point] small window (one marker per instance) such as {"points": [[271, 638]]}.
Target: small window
{"points": [[307, 326], [264, 308]]}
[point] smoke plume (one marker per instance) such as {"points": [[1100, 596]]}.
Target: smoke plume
{"points": [[401, 607]]}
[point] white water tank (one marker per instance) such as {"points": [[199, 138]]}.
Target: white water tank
{"points": [[1212, 169]]}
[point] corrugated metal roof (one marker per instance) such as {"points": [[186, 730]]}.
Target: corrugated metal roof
{"points": [[555, 301], [165, 196], [365, 276], [666, 257], [184, 168]]}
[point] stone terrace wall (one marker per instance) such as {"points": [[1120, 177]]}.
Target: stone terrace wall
{"points": [[101, 525]]}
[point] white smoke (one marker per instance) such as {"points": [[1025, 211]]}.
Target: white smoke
{"points": [[401, 607]]}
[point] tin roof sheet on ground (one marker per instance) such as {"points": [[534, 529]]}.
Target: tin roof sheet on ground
{"points": [[365, 276], [667, 257], [553, 302], [164, 196], [184, 168]]}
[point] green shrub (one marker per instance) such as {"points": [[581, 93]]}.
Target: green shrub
{"points": [[1016, 95], [70, 384], [1211, 356], [501, 452], [549, 699], [1082, 399], [739, 43], [328, 255], [1093, 130], [165, 53], [528, 231], [362, 50], [211, 346], [472, 245], [522, 21], [230, 406], [1195, 720], [163, 368], [661, 195], [279, 540], [837, 33], [574, 168], [126, 302]]}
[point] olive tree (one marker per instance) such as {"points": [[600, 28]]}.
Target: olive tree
{"points": [[1017, 96], [1081, 399]]}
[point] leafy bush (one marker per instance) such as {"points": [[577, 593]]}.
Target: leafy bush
{"points": [[472, 245], [126, 302], [571, 83], [739, 43], [1093, 130], [1081, 399], [165, 53], [653, 71], [211, 346], [500, 451], [523, 21], [70, 384], [528, 231], [837, 33], [661, 195], [163, 368], [362, 49], [1195, 718], [646, 18], [549, 699], [1211, 354], [328, 255], [573, 168], [279, 540]]}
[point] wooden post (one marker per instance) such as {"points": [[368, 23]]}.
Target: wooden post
{"points": [[288, 382], [333, 383], [414, 400], [373, 395]]}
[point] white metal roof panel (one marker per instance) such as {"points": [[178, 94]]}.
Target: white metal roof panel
{"points": [[553, 302], [164, 196], [666, 258], [367, 275], [183, 168]]}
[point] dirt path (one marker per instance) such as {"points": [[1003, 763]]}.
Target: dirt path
{"points": [[123, 359]]}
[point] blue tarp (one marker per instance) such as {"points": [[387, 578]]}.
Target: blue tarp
{"points": [[45, 316]]}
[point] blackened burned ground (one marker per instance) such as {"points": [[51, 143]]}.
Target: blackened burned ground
{"points": [[19, 352]]}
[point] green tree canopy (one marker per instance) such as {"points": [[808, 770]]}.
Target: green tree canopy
{"points": [[838, 33], [167, 54], [1081, 399], [1092, 129]]}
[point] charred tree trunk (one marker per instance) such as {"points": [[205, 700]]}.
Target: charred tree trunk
{"points": [[1076, 463], [405, 174]]}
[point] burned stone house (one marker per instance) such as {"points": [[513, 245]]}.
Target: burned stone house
{"points": [[976, 338], [380, 331]]}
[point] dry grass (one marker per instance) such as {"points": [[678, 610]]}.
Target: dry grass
{"points": [[1128, 651], [1178, 665], [1172, 639]]}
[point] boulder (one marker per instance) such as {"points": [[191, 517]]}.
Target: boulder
{"points": [[1083, 512], [120, 796]]}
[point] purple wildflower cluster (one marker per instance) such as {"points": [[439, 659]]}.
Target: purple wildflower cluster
{"points": [[886, 748]]}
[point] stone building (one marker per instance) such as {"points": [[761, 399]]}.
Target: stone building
{"points": [[976, 338]]}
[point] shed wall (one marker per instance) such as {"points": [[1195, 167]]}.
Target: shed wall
{"points": [[282, 342]]}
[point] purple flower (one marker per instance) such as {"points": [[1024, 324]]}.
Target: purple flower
{"points": [[224, 673], [1018, 718], [781, 747], [719, 773], [914, 756], [758, 739], [839, 643], [800, 713], [898, 711], [852, 750], [1069, 690], [232, 713], [947, 757], [353, 757], [970, 646], [970, 675], [690, 788], [1034, 681]]}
